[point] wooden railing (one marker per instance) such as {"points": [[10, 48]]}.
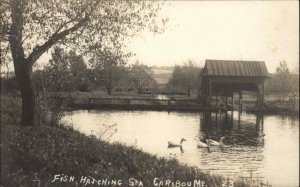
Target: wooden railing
{"points": [[140, 101], [129, 103]]}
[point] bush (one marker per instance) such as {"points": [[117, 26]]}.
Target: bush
{"points": [[10, 110], [83, 87], [9, 85]]}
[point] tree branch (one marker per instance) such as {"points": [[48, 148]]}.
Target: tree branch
{"points": [[39, 50], [4, 38]]}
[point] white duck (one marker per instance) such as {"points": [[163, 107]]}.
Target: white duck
{"points": [[172, 144], [215, 143], [203, 145]]}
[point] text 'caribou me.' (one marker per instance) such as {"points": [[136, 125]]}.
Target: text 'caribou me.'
{"points": [[194, 183]]}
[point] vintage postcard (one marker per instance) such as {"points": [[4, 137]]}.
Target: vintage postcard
{"points": [[149, 93]]}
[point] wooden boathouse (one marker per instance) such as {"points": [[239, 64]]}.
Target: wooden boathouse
{"points": [[226, 77]]}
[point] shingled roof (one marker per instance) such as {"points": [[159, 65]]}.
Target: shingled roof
{"points": [[235, 68]]}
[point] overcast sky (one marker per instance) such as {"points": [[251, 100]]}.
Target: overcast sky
{"points": [[234, 30], [226, 30]]}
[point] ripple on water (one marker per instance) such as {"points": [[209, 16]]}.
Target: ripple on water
{"points": [[246, 153]]}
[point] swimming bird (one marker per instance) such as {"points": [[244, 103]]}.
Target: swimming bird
{"points": [[203, 139], [215, 143], [172, 144], [204, 145], [200, 144]]}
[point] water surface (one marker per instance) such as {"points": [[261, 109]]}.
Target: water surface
{"points": [[258, 148]]}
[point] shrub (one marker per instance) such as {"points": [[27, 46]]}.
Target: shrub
{"points": [[83, 87]]}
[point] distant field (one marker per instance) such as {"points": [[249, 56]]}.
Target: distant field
{"points": [[162, 75], [162, 71]]}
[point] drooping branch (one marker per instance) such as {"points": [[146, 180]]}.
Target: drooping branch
{"points": [[56, 36], [39, 50]]}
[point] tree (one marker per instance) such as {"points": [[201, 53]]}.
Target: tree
{"points": [[185, 77], [77, 65], [78, 69], [54, 78], [283, 78], [31, 28], [109, 67], [140, 76]]}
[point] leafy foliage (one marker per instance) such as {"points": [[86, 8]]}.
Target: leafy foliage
{"points": [[29, 28], [185, 77], [109, 68], [283, 78], [86, 24], [66, 71], [140, 77], [9, 85]]}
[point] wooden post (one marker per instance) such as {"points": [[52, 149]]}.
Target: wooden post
{"points": [[226, 120], [260, 94], [226, 98], [262, 122], [258, 120], [263, 93], [216, 119], [232, 100], [240, 95], [217, 93], [257, 96], [239, 119], [231, 124], [209, 92]]}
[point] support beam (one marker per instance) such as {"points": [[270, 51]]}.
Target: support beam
{"points": [[239, 119], [226, 98], [209, 92], [232, 99], [240, 97], [216, 119], [263, 92], [260, 94], [217, 94]]}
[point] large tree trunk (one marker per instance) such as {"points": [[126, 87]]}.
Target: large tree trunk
{"points": [[22, 66], [23, 71]]}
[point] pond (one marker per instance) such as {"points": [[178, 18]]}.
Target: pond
{"points": [[257, 147]]}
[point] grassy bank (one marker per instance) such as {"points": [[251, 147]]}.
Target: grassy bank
{"points": [[32, 156]]}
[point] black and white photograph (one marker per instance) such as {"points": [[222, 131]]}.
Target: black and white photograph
{"points": [[153, 93]]}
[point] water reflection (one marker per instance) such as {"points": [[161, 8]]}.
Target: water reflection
{"points": [[236, 132], [242, 154], [256, 146], [162, 97]]}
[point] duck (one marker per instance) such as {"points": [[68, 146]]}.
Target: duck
{"points": [[203, 139], [172, 144], [215, 143], [200, 144]]}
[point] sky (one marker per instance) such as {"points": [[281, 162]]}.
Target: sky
{"points": [[224, 30], [229, 30]]}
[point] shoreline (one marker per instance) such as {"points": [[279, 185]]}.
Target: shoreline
{"points": [[63, 156], [178, 108]]}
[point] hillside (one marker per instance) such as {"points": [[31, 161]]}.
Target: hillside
{"points": [[162, 74]]}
